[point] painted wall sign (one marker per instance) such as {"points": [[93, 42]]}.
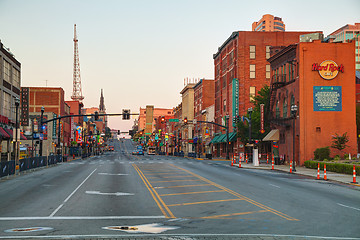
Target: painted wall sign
{"points": [[327, 98], [328, 69], [262, 118]]}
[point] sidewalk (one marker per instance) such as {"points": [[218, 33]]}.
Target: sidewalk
{"points": [[331, 176]]}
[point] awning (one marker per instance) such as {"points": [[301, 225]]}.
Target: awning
{"points": [[215, 139], [222, 138], [22, 137], [232, 137], [273, 135], [3, 133], [9, 131]]}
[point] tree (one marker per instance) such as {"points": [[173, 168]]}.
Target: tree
{"points": [[262, 97], [339, 141]]}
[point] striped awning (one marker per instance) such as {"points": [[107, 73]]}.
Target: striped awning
{"points": [[273, 135], [4, 134]]}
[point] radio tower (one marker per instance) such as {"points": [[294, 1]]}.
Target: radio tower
{"points": [[77, 93]]}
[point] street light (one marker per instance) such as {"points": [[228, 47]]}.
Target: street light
{"points": [[250, 110], [41, 131], [294, 109], [227, 136], [17, 103]]}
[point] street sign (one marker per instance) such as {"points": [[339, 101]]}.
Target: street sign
{"points": [[173, 120], [194, 121]]}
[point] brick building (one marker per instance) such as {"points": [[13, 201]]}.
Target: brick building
{"points": [[319, 78], [52, 99], [157, 112], [242, 61], [204, 97], [187, 111]]}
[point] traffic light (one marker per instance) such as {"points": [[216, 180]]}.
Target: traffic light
{"points": [[126, 114], [118, 132], [185, 120], [162, 119], [141, 133], [96, 116]]}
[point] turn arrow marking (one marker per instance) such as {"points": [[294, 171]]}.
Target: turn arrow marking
{"points": [[109, 194]]}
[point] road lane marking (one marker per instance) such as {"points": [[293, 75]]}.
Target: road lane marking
{"points": [[203, 202], [109, 194], [348, 206], [156, 197], [161, 173], [196, 185], [233, 214], [113, 174], [274, 185], [185, 193], [280, 214], [79, 218], [185, 176], [185, 180], [67, 199]]}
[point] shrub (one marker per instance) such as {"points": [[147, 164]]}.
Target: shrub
{"points": [[334, 167], [322, 153], [337, 158]]}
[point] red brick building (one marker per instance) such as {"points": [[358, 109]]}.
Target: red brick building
{"points": [[318, 78], [204, 97], [243, 56]]}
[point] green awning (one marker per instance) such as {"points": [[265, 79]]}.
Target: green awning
{"points": [[215, 139], [232, 137], [222, 138]]}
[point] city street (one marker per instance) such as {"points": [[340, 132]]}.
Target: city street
{"points": [[121, 195]]}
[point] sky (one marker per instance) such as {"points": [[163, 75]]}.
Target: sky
{"points": [[140, 51]]}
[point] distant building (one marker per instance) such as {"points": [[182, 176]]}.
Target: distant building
{"points": [[204, 97], [10, 74], [157, 112], [269, 23], [187, 130], [318, 78], [347, 33]]}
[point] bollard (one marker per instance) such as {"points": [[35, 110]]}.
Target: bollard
{"points": [[267, 158], [232, 161], [272, 163], [354, 175], [240, 161], [318, 172], [290, 166], [246, 158], [325, 177]]}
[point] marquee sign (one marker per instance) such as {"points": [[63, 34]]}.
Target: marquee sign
{"points": [[328, 69]]}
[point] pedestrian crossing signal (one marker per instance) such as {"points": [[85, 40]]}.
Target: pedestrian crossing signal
{"points": [[126, 114]]}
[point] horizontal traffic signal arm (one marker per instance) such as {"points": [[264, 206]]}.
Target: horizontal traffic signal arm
{"points": [[213, 123], [88, 115]]}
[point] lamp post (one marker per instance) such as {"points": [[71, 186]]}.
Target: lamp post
{"points": [[17, 103], [41, 131], [294, 109], [250, 110], [227, 136]]}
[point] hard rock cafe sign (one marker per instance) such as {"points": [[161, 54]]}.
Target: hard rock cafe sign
{"points": [[328, 69]]}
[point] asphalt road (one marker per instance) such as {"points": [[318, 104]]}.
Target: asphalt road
{"points": [[118, 195]]}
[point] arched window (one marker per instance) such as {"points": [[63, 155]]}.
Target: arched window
{"points": [[285, 108], [277, 110], [292, 100]]}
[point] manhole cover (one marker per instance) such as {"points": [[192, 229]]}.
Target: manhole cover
{"points": [[29, 229]]}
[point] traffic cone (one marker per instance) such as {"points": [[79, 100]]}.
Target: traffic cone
{"points": [[272, 163], [354, 175], [267, 158], [325, 177], [318, 172], [239, 161], [232, 161], [246, 158], [290, 166]]}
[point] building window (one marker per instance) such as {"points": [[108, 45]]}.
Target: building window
{"points": [[252, 93], [268, 71], [285, 108], [267, 52], [224, 105], [252, 52], [292, 100], [7, 68], [277, 110], [6, 104], [16, 78], [252, 71]]}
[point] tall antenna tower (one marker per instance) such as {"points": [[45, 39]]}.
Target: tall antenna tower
{"points": [[77, 93]]}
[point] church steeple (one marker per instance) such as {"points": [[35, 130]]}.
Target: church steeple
{"points": [[102, 104]]}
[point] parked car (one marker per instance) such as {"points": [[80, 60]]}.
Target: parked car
{"points": [[138, 152]]}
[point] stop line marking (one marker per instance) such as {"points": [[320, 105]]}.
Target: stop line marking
{"points": [[109, 194], [113, 174]]}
